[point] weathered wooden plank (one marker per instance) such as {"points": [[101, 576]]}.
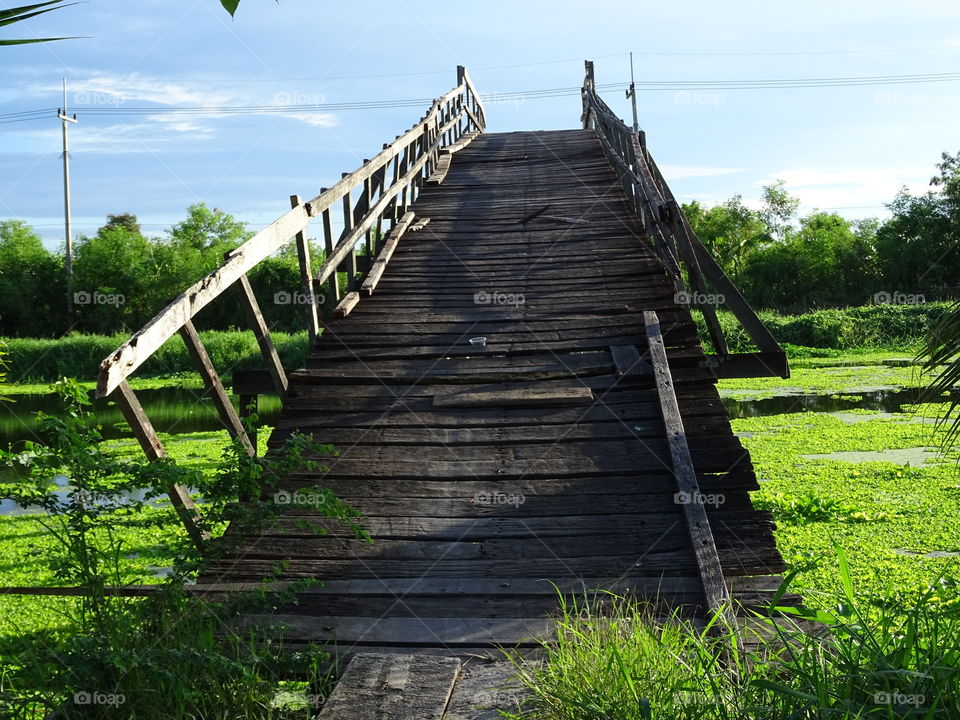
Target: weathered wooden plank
{"points": [[628, 360], [676, 562], [688, 490], [262, 334], [145, 434], [518, 397], [397, 687], [133, 353], [348, 303], [412, 631], [214, 386], [441, 528], [486, 691], [380, 264], [440, 170]]}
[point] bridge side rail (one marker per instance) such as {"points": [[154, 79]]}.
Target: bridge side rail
{"points": [[375, 195], [688, 262]]}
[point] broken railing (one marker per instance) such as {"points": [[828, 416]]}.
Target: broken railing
{"points": [[688, 263], [374, 201]]}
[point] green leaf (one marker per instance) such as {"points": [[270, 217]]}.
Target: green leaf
{"points": [[7, 17], [845, 580], [37, 40], [230, 5]]}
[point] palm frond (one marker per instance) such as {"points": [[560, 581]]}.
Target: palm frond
{"points": [[25, 12], [942, 349]]}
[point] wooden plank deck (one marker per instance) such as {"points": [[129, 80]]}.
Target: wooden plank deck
{"points": [[488, 472]]}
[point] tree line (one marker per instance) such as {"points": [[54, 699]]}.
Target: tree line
{"points": [[792, 265], [122, 277]]}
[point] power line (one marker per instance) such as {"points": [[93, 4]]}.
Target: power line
{"points": [[645, 85]]}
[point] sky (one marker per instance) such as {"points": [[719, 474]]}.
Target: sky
{"points": [[845, 149]]}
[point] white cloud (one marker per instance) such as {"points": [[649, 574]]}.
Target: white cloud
{"points": [[92, 90], [678, 172], [853, 192]]}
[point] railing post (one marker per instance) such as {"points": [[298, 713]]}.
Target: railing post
{"points": [[306, 279], [350, 262], [588, 89]]}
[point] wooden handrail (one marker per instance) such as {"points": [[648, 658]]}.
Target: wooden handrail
{"points": [[675, 241], [390, 181]]}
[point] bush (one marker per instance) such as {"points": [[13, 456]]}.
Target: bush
{"points": [[884, 326]]}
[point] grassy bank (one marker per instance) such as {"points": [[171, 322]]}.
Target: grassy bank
{"points": [[823, 334], [34, 360], [869, 326], [148, 540]]}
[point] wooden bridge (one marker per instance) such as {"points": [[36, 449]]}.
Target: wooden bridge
{"points": [[516, 387]]}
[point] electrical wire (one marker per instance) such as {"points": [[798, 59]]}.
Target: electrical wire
{"points": [[641, 85]]}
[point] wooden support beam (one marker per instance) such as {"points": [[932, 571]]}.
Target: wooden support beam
{"points": [[133, 353], [688, 489], [333, 284], [440, 170], [262, 333], [380, 264], [462, 142], [748, 365], [348, 303], [143, 431], [214, 386], [349, 240]]}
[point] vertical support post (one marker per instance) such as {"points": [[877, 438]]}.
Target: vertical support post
{"points": [[350, 262], [306, 279], [143, 431], [588, 87], [333, 291]]}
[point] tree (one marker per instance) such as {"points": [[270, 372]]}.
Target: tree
{"points": [[206, 229], [33, 293], [730, 231], [918, 246], [825, 262], [114, 272], [778, 209]]}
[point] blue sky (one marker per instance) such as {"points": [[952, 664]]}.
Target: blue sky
{"points": [[844, 148]]}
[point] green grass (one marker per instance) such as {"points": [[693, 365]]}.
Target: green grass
{"points": [[185, 380], [149, 540], [891, 515], [615, 660], [78, 355], [831, 378]]}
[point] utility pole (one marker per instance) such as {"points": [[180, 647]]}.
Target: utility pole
{"points": [[632, 94], [68, 263]]}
